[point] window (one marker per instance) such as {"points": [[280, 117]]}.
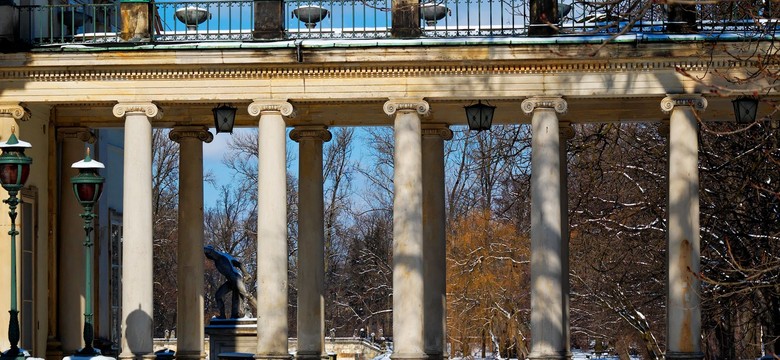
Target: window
{"points": [[115, 280], [28, 227]]}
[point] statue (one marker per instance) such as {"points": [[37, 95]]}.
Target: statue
{"points": [[234, 272]]}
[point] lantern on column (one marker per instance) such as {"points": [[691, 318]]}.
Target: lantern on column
{"points": [[745, 108], [87, 186], [14, 170], [224, 118], [479, 116]]}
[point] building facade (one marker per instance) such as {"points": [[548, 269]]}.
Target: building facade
{"points": [[61, 97]]}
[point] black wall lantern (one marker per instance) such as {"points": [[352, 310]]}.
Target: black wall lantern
{"points": [[479, 116], [745, 109], [224, 118]]}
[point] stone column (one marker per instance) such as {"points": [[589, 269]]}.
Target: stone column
{"points": [[190, 252], [434, 240], [137, 274], [683, 314], [566, 132], [71, 243], [272, 229], [311, 242], [408, 287], [547, 261]]}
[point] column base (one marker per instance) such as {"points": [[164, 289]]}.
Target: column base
{"points": [[679, 355], [87, 356], [311, 356], [132, 356], [561, 355], [190, 355], [409, 356], [435, 356], [15, 353], [273, 356]]}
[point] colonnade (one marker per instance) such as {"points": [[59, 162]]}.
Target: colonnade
{"points": [[419, 269]]}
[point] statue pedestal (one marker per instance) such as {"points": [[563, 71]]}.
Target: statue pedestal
{"points": [[232, 339]]}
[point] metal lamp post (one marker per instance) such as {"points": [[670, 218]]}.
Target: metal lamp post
{"points": [[14, 170], [87, 186]]}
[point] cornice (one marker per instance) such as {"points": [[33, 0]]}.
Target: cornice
{"points": [[379, 70]]}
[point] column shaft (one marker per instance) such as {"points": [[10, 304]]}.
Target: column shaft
{"points": [[311, 243], [408, 270], [566, 133], [137, 274], [547, 261], [190, 258], [272, 231], [71, 242], [683, 310], [434, 241]]}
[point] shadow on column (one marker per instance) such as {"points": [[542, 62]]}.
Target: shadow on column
{"points": [[138, 332]]}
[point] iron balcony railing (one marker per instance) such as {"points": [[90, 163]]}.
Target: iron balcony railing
{"points": [[233, 20]]}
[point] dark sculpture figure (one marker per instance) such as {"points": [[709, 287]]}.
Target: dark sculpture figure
{"points": [[234, 272]]}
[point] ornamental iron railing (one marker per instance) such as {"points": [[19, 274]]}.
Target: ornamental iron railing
{"points": [[234, 20]]}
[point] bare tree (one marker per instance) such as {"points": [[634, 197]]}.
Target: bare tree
{"points": [[740, 201], [233, 222], [165, 197], [338, 171]]}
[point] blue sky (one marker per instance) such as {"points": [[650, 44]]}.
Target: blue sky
{"points": [[212, 162], [214, 151]]}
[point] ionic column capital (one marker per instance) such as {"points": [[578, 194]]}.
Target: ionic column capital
{"points": [[310, 132], [556, 103], [201, 133], [696, 101], [406, 105], [14, 110], [439, 130], [77, 132], [565, 130], [151, 110], [283, 107]]}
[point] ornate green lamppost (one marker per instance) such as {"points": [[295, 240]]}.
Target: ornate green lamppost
{"points": [[87, 186], [14, 170]]}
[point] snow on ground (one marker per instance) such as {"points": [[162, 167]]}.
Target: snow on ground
{"points": [[583, 355], [576, 355]]}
